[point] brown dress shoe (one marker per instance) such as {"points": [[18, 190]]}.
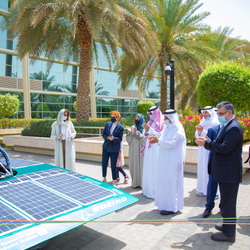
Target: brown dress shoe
{"points": [[222, 237], [218, 227]]}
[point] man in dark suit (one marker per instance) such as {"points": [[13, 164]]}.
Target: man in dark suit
{"points": [[112, 135], [225, 166]]}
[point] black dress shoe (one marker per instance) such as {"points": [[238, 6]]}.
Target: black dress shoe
{"points": [[164, 212], [206, 213], [218, 227], [222, 237]]}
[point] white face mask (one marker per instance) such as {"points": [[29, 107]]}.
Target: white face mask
{"points": [[65, 117], [166, 122], [151, 117]]}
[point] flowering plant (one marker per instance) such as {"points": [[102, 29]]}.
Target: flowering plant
{"points": [[189, 123]]}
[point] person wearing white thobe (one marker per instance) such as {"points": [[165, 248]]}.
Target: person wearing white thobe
{"points": [[169, 197], [209, 120], [151, 152], [63, 133]]}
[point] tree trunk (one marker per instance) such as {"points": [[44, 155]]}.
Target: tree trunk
{"points": [[85, 41], [82, 111], [163, 104]]}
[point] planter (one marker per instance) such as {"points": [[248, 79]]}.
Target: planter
{"points": [[10, 131]]}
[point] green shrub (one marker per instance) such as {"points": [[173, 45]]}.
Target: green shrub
{"points": [[224, 81], [144, 106], [16, 123], [40, 128], [9, 105]]}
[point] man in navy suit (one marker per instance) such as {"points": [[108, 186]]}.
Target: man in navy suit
{"points": [[211, 185], [225, 166], [112, 135]]}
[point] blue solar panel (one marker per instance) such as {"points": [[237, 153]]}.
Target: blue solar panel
{"points": [[78, 189], [36, 201], [9, 218], [18, 163]]}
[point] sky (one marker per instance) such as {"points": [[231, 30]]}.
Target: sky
{"points": [[232, 13]]}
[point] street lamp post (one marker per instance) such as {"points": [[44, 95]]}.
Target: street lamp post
{"points": [[169, 71]]}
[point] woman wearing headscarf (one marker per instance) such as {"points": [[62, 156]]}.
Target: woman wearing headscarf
{"points": [[63, 132], [151, 151], [209, 120], [135, 139], [169, 197], [112, 135]]}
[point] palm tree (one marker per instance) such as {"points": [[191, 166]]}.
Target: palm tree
{"points": [[153, 95], [182, 37], [69, 30], [99, 89], [226, 47]]}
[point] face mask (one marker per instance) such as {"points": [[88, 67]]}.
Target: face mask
{"points": [[207, 118], [222, 119], [137, 122], [151, 117], [65, 117], [113, 119], [166, 122]]}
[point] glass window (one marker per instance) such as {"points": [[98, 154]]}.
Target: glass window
{"points": [[4, 4], [153, 91]]}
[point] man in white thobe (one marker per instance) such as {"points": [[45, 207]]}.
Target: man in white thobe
{"points": [[151, 151], [209, 120], [169, 197]]}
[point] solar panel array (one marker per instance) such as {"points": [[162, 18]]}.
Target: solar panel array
{"points": [[35, 201], [9, 218], [81, 191], [43, 193]]}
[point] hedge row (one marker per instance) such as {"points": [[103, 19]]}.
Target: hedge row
{"points": [[42, 128], [16, 123]]}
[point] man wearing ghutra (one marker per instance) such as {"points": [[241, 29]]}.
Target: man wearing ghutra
{"points": [[169, 197], [151, 152], [209, 120]]}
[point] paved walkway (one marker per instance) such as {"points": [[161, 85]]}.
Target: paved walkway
{"points": [[148, 235]]}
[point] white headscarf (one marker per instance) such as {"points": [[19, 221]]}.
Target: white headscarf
{"points": [[60, 120], [212, 121], [173, 116]]}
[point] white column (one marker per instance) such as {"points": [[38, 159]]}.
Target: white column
{"points": [[26, 87], [92, 93]]}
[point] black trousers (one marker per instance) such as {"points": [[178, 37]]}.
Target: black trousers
{"points": [[228, 192], [113, 159]]}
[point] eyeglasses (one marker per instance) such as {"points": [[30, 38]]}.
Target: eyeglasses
{"points": [[221, 113]]}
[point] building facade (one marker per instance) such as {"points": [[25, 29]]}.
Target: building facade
{"points": [[44, 91]]}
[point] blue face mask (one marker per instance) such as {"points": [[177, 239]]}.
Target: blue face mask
{"points": [[207, 118], [222, 119], [151, 117], [166, 122]]}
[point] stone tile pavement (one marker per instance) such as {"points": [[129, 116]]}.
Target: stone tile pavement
{"points": [[147, 235]]}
